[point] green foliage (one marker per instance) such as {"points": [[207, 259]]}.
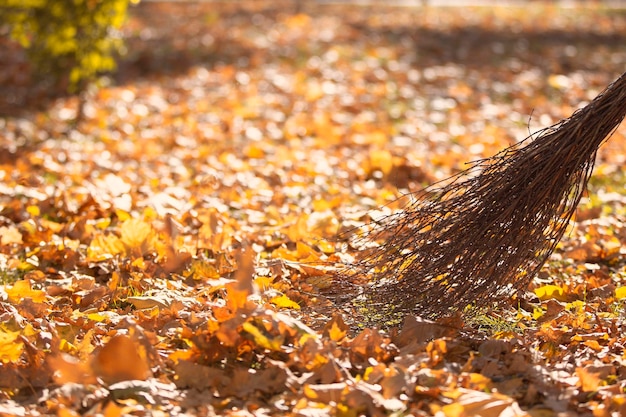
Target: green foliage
{"points": [[72, 40]]}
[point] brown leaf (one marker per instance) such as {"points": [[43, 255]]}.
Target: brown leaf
{"points": [[418, 330], [200, 377]]}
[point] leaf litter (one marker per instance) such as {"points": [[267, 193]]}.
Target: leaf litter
{"points": [[171, 253]]}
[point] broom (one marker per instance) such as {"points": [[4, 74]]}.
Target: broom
{"points": [[485, 232]]}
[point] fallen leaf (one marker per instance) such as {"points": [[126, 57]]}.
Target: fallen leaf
{"points": [[547, 292], [282, 301], [11, 347], [121, 359], [336, 329], [470, 403], [22, 289]]}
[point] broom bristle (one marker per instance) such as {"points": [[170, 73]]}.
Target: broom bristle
{"points": [[488, 230]]}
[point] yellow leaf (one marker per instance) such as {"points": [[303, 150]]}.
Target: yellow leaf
{"points": [[309, 392], [325, 246], [181, 355], [381, 160], [254, 152], [479, 381], [135, 233], [620, 293], [11, 346], [22, 289], [103, 247], [102, 223], [264, 282], [139, 263], [122, 215], [66, 346], [201, 270], [306, 253], [261, 339], [550, 291], [282, 301], [150, 214], [33, 211], [97, 317]]}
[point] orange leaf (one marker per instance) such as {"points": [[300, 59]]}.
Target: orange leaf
{"points": [[121, 359], [113, 410], [239, 290], [68, 369], [589, 381], [593, 344], [336, 329], [22, 289], [66, 412]]}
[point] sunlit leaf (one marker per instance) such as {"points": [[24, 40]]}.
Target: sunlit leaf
{"points": [[263, 283], [336, 329], [68, 369], [137, 235], [10, 235], [478, 403], [261, 339], [620, 293], [589, 380], [121, 359], [239, 290], [11, 346], [22, 289], [201, 270], [547, 292], [282, 301], [104, 247]]}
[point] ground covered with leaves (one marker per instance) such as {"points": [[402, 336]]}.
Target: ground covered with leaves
{"points": [[171, 253]]}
